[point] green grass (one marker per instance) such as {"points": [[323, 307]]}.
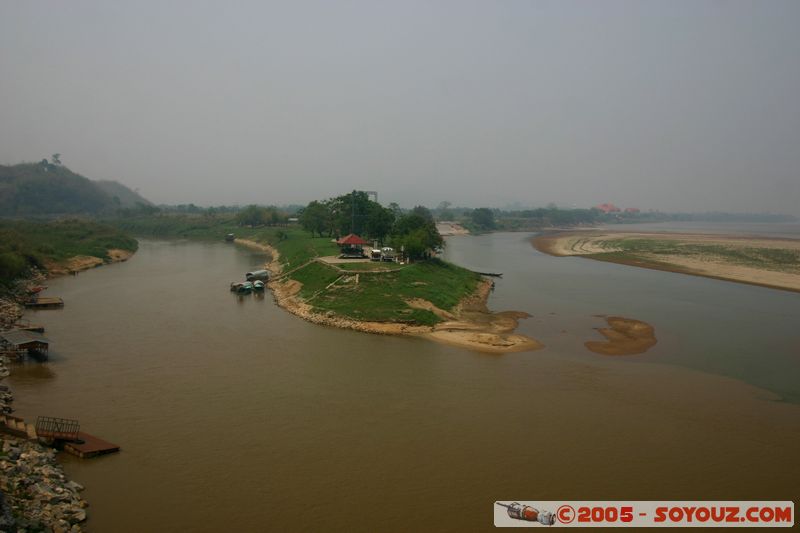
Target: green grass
{"points": [[382, 297], [297, 247], [370, 267], [27, 244], [314, 277]]}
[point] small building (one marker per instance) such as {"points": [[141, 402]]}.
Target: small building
{"points": [[608, 208], [20, 340], [352, 246]]}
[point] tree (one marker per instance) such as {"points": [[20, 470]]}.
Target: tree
{"points": [[443, 211], [379, 221], [56, 159], [416, 234], [423, 211], [315, 217], [253, 215], [483, 218]]}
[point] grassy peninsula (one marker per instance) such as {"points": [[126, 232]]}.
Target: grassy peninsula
{"points": [[426, 297]]}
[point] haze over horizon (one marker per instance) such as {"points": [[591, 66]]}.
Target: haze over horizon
{"points": [[657, 105]]}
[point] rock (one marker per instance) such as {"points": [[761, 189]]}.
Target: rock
{"points": [[75, 486], [41, 498]]}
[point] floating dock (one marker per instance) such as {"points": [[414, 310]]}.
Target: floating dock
{"points": [[65, 433], [44, 302], [89, 446]]}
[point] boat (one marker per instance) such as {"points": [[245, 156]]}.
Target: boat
{"points": [[230, 237], [242, 287], [257, 274]]}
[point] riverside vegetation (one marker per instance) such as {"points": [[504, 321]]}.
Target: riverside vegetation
{"points": [[30, 245]]}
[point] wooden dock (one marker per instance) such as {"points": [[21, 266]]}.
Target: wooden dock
{"points": [[492, 274], [89, 446], [27, 326], [65, 433], [44, 302]]}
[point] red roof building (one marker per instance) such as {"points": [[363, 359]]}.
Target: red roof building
{"points": [[608, 208], [351, 240]]}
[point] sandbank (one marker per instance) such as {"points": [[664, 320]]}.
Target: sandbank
{"points": [[724, 264]]}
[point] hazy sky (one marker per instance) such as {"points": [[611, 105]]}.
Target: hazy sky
{"points": [[674, 105]]}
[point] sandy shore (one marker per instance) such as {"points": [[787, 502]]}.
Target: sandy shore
{"points": [[599, 245], [447, 229], [79, 263], [470, 325]]}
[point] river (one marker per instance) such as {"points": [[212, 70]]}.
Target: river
{"points": [[235, 415]]}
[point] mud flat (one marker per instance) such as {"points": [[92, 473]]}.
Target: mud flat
{"points": [[624, 336], [768, 262]]}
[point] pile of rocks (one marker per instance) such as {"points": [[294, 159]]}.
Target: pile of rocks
{"points": [[10, 312], [13, 297], [5, 396], [38, 497]]}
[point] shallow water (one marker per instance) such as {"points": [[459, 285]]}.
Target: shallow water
{"points": [[737, 330], [235, 415]]}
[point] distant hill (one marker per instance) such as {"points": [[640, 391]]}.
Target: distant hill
{"points": [[31, 189], [126, 197]]}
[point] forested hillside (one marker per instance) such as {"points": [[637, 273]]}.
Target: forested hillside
{"points": [[42, 189]]}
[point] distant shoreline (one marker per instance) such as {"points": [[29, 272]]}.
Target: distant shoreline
{"points": [[716, 256], [79, 263]]}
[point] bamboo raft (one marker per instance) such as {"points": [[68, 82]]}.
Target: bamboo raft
{"points": [[45, 302]]}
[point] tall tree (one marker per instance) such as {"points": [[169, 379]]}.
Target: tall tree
{"points": [[483, 218], [315, 217]]}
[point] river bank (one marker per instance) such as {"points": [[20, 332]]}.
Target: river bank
{"points": [[79, 263], [767, 262], [469, 324], [35, 495], [336, 413]]}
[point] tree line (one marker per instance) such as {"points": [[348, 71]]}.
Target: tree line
{"points": [[414, 231]]}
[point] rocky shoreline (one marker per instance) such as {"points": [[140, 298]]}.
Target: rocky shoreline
{"points": [[35, 494]]}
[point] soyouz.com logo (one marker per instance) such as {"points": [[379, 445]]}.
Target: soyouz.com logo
{"points": [[644, 514]]}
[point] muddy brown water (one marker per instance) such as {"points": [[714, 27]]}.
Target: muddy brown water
{"points": [[234, 415]]}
